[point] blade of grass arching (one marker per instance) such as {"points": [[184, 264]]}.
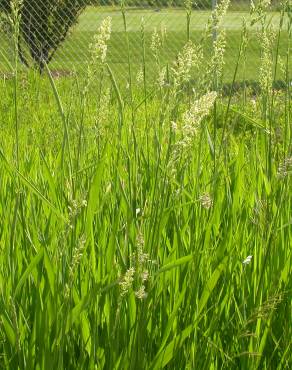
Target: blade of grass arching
{"points": [[9, 331], [171, 319], [123, 10], [13, 235], [163, 358], [240, 52], [117, 91], [143, 46], [33, 264], [286, 358], [81, 306], [145, 99], [50, 179], [50, 273], [210, 285], [174, 264], [210, 142], [64, 121], [247, 118], [93, 205], [288, 95], [31, 186], [262, 344]]}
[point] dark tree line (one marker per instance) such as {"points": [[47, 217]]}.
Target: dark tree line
{"points": [[44, 25]]}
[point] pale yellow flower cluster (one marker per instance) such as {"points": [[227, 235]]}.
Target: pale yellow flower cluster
{"points": [[77, 255], [98, 48], [161, 81], [102, 113], [266, 68], [140, 76], [285, 167], [155, 41], [198, 110], [218, 14], [206, 201], [127, 281], [190, 124], [137, 275], [188, 58]]}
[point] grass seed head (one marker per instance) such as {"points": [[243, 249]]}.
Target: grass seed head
{"points": [[247, 260], [98, 48], [218, 14], [215, 67], [161, 81], [189, 127], [188, 58], [206, 201], [266, 67], [140, 76], [140, 293], [156, 42], [127, 281], [285, 168]]}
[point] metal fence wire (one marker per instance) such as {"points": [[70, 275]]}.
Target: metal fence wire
{"points": [[60, 32]]}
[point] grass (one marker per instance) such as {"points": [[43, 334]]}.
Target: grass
{"points": [[74, 53], [125, 221]]}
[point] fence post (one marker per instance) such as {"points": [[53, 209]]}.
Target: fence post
{"points": [[214, 4]]}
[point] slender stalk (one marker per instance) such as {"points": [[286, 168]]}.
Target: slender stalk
{"points": [[15, 23]]}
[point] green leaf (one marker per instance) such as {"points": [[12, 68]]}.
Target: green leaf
{"points": [[36, 260], [175, 264], [9, 331], [211, 285], [93, 205], [31, 186], [164, 357], [50, 273]]}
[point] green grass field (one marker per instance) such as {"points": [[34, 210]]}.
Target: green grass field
{"points": [[146, 227], [74, 53]]}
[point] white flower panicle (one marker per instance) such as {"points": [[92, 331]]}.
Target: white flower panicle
{"points": [[140, 76], [188, 58], [266, 68], [188, 4], [156, 42], [161, 81], [219, 13], [206, 201], [216, 64], [189, 126], [198, 110], [140, 293], [163, 32], [77, 255], [141, 257], [98, 48], [137, 275], [285, 168], [145, 275], [247, 261], [127, 281], [258, 10], [75, 207]]}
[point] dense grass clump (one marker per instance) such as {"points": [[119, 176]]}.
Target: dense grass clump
{"points": [[147, 226]]}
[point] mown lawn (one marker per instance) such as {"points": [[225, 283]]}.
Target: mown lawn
{"points": [[74, 53]]}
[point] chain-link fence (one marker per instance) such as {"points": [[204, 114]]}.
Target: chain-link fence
{"points": [[60, 32]]}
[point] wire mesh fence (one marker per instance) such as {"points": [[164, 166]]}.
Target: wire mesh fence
{"points": [[60, 32]]}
